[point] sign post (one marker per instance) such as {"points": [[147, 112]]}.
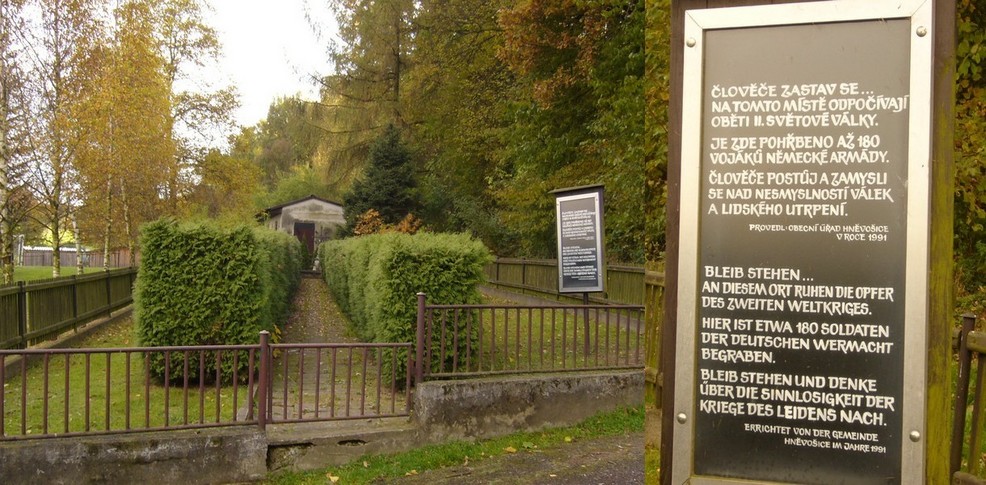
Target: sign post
{"points": [[581, 259], [803, 244]]}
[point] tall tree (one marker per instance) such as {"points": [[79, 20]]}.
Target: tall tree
{"points": [[656, 95], [66, 36], [365, 94], [288, 137], [226, 187], [12, 118], [129, 126], [300, 182], [186, 41], [970, 156], [457, 89], [579, 118]]}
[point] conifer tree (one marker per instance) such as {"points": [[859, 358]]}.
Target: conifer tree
{"points": [[388, 185]]}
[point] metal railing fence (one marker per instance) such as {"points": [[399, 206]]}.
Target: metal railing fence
{"points": [[33, 311], [67, 392], [319, 382], [474, 340]]}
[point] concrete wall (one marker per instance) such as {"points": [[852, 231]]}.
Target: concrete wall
{"points": [[217, 455], [443, 410], [482, 408]]}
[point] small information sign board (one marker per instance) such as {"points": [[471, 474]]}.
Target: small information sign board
{"points": [[579, 223]]}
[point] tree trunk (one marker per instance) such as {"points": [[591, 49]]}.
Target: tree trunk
{"points": [[79, 266], [6, 229], [398, 118], [127, 225], [56, 248], [109, 224], [6, 238]]}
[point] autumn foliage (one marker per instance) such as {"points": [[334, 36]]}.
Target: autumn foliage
{"points": [[370, 222]]}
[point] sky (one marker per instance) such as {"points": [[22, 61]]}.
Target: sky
{"points": [[270, 49]]}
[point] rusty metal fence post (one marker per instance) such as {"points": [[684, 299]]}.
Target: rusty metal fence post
{"points": [[263, 386], [419, 347]]}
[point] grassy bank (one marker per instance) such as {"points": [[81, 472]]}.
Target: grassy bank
{"points": [[376, 468]]}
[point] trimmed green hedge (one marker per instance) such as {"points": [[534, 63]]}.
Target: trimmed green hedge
{"points": [[204, 284], [375, 280]]}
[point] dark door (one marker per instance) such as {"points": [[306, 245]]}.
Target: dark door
{"points": [[305, 232]]}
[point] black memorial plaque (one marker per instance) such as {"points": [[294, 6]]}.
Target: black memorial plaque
{"points": [[801, 257], [580, 245]]}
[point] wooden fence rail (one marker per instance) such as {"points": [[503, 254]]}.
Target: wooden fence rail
{"points": [[33, 311], [970, 402], [624, 284], [117, 258], [654, 314]]}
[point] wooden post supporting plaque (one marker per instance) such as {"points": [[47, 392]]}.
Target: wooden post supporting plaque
{"points": [[807, 306]]}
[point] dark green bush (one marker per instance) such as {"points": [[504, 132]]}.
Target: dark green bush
{"points": [[203, 284], [376, 279]]}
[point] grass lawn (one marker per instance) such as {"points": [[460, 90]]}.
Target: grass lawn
{"points": [[380, 468], [31, 273], [526, 339]]}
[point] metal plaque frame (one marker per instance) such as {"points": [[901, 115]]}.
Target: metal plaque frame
{"points": [[593, 193], [697, 22]]}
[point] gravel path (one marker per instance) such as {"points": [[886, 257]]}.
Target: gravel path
{"points": [[349, 388], [316, 317]]}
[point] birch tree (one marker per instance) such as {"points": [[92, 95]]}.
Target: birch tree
{"points": [[60, 45], [123, 166], [11, 131]]}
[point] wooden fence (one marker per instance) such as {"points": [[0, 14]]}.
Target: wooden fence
{"points": [[33, 311], [118, 258], [654, 316], [970, 403], [624, 284]]}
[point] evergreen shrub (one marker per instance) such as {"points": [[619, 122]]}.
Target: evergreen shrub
{"points": [[200, 283], [376, 278]]}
